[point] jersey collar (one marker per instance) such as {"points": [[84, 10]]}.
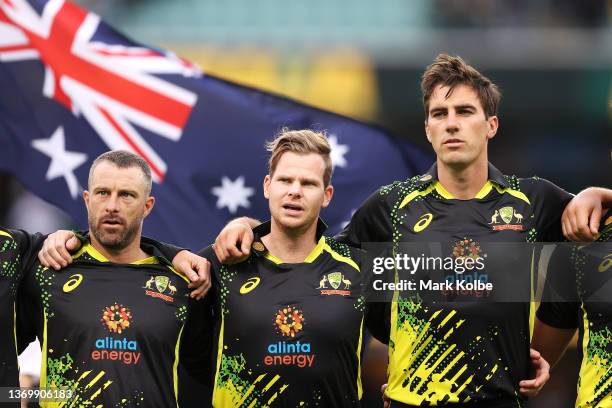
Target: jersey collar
{"points": [[259, 249], [145, 244], [494, 175]]}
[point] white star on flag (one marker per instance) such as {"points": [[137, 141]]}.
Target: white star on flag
{"points": [[63, 162], [337, 151], [233, 194]]}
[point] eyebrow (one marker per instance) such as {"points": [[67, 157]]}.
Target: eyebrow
{"points": [[465, 106], [122, 190], [301, 178], [456, 107]]}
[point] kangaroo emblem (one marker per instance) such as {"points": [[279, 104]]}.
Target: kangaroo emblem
{"points": [[494, 218], [149, 283], [322, 283]]}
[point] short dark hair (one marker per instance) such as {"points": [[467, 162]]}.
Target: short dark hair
{"points": [[447, 70], [123, 159]]}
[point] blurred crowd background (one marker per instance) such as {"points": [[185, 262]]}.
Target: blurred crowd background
{"points": [[551, 58]]}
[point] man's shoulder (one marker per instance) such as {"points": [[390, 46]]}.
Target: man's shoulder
{"points": [[542, 188], [342, 252], [394, 193], [530, 186], [414, 183], [18, 239]]}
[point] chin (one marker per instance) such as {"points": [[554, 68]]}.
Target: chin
{"points": [[295, 224], [456, 159], [291, 223]]}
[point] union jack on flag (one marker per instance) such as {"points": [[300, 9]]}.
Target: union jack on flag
{"points": [[72, 88], [110, 85]]}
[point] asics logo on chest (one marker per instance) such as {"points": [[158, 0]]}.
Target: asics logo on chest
{"points": [[423, 222]]}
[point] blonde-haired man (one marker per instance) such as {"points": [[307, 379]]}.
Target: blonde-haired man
{"points": [[290, 316]]}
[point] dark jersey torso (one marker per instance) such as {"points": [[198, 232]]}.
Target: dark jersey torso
{"points": [[289, 335], [473, 351], [578, 294], [109, 332], [16, 246]]}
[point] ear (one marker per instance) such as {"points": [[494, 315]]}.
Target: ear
{"points": [[149, 203], [86, 199], [266, 186], [493, 122], [427, 131], [327, 195]]}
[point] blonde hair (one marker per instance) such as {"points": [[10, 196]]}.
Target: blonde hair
{"points": [[300, 141]]}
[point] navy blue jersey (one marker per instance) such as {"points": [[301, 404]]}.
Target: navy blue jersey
{"points": [[578, 294], [447, 352], [289, 335], [113, 333], [16, 249]]}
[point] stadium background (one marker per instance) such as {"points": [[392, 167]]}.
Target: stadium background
{"points": [[551, 58]]}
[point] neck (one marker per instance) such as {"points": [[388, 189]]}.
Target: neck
{"points": [[290, 246], [463, 182], [129, 254]]}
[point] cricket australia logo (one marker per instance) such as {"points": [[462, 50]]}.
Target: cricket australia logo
{"points": [[506, 218], [335, 281], [161, 284]]}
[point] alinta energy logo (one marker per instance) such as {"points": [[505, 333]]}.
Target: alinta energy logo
{"points": [[502, 219], [338, 284], [116, 319], [467, 248], [162, 284], [475, 283], [288, 322]]}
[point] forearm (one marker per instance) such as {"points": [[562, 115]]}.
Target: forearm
{"points": [[550, 341], [252, 222], [605, 195]]}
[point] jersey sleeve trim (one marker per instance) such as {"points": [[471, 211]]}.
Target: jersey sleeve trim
{"points": [[6, 234], [416, 194], [359, 386], [43, 346], [15, 329], [489, 186], [341, 258], [219, 357], [176, 362]]}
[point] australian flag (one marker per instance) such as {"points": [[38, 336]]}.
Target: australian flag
{"points": [[71, 88]]}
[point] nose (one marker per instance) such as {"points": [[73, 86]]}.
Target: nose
{"points": [[452, 123], [112, 204], [295, 189]]}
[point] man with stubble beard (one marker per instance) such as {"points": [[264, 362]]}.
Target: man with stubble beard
{"points": [[116, 322]]}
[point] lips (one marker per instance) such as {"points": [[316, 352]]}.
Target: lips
{"points": [[453, 142], [111, 222], [293, 208]]}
